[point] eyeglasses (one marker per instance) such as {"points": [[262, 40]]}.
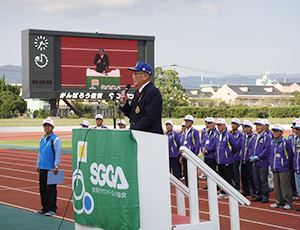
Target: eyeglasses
{"points": [[137, 73]]}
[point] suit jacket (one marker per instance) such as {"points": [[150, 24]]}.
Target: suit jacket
{"points": [[145, 111], [103, 64]]}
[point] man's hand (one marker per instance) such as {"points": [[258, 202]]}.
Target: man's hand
{"points": [[180, 160], [37, 169], [123, 97], [55, 170], [204, 152]]}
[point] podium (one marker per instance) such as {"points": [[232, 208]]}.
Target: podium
{"points": [[120, 180]]}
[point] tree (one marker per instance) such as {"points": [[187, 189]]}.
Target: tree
{"points": [[296, 98], [168, 82]]}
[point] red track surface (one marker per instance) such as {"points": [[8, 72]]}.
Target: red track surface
{"points": [[19, 187]]}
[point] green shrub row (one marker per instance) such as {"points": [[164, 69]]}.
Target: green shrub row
{"points": [[261, 112]]}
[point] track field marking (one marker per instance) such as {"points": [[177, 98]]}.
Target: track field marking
{"points": [[31, 210]]}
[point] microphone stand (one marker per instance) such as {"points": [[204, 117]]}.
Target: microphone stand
{"points": [[114, 110]]}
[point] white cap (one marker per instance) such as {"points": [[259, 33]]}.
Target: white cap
{"points": [[247, 122], [259, 122], [99, 116], [169, 122], [210, 120], [221, 121], [266, 122], [48, 121], [85, 123], [121, 122], [189, 118], [297, 125], [297, 120], [236, 121], [278, 127], [183, 124]]}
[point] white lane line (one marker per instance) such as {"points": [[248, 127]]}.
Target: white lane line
{"points": [[24, 165], [34, 181], [35, 155], [30, 192], [29, 172], [31, 210], [34, 162]]}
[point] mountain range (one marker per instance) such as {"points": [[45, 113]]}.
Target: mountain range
{"points": [[13, 74]]}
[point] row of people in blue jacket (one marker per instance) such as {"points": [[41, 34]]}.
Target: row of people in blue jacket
{"points": [[246, 153]]}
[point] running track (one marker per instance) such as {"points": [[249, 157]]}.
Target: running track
{"points": [[19, 188]]}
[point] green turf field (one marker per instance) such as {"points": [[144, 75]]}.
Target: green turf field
{"points": [[65, 144]]}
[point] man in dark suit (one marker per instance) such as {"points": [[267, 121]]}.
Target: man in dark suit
{"points": [[101, 61], [146, 107]]}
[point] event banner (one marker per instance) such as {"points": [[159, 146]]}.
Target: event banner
{"points": [[105, 180]]}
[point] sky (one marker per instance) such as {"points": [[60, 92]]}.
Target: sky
{"points": [[201, 37]]}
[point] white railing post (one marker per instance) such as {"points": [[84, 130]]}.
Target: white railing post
{"points": [[213, 203], [180, 202], [193, 190], [234, 214]]}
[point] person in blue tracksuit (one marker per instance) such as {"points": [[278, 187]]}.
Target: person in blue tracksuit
{"points": [[296, 158], [235, 123], [281, 159], [247, 148], [99, 122], [191, 140], [260, 159], [292, 138], [270, 175], [174, 145], [225, 145], [48, 159], [181, 136]]}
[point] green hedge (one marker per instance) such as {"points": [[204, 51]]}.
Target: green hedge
{"points": [[261, 112]]}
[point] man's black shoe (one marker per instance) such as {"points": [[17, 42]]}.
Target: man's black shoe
{"points": [[298, 209], [265, 200], [205, 188], [256, 199], [246, 193]]}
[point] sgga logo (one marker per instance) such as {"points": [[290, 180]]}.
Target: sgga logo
{"points": [[87, 199]]}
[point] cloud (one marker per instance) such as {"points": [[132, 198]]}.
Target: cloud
{"points": [[117, 8]]}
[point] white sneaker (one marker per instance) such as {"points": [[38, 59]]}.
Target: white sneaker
{"points": [[202, 177], [222, 196], [276, 206], [287, 207], [295, 198]]}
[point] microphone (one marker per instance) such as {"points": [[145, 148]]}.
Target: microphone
{"points": [[128, 86]]}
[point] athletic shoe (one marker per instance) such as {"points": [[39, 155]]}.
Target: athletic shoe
{"points": [[246, 193], [265, 200], [50, 213], [295, 198], [202, 177], [39, 212], [298, 209], [222, 196], [276, 206], [205, 188], [287, 207]]}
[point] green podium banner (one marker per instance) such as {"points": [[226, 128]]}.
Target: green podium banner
{"points": [[105, 179]]}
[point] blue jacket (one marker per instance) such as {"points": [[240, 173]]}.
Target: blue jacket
{"points": [[225, 147], [202, 136], [247, 147], [296, 158], [238, 139], [262, 149], [281, 155], [192, 141], [208, 143], [46, 155], [292, 138], [174, 143]]}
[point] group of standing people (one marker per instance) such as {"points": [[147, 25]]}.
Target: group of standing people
{"points": [[254, 163]]}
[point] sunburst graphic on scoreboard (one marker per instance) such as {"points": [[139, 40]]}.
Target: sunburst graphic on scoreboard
{"points": [[41, 43]]}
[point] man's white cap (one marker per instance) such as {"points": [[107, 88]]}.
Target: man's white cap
{"points": [[278, 127], [236, 121], [247, 123], [99, 116], [85, 123], [297, 125], [266, 122], [169, 122], [259, 122], [48, 121], [189, 118], [121, 122], [221, 121], [210, 120], [297, 120], [183, 124]]}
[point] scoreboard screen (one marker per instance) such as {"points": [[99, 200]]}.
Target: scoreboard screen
{"points": [[80, 65]]}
